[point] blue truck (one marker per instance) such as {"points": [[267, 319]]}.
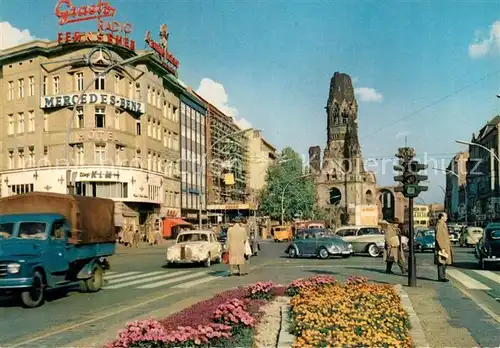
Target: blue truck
{"points": [[50, 241]]}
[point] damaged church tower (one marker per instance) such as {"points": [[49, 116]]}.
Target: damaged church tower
{"points": [[342, 181]]}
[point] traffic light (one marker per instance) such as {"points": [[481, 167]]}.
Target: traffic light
{"points": [[410, 178]]}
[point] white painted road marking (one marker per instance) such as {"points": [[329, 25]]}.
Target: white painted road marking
{"points": [[133, 277], [198, 281], [490, 275], [468, 282], [119, 275], [170, 281], [142, 281], [110, 273]]}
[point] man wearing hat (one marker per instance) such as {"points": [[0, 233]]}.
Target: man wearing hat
{"points": [[236, 244], [393, 247]]}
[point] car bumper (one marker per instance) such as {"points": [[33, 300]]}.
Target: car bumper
{"points": [[15, 283], [338, 252], [491, 259]]}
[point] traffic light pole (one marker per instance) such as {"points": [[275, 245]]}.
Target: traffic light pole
{"points": [[412, 263]]}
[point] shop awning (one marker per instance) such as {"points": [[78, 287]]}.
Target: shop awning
{"points": [[172, 222]]}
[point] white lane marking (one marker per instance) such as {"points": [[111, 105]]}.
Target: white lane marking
{"points": [[490, 275], [199, 281], [142, 281], [119, 275], [136, 276], [468, 282], [170, 281], [110, 273]]}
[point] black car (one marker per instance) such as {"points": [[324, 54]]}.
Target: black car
{"points": [[488, 248]]}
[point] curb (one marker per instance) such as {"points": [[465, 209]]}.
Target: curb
{"points": [[285, 338], [416, 331]]}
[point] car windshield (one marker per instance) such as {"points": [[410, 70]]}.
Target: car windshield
{"points": [[192, 237], [6, 229], [32, 230], [429, 233]]}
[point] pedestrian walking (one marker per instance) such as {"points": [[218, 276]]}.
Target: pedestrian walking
{"points": [[137, 238], [443, 253], [237, 242], [393, 251]]}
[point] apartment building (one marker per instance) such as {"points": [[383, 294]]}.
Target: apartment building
{"points": [[123, 142], [456, 182], [261, 155], [193, 153]]}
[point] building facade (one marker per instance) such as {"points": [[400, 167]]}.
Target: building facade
{"points": [[261, 155], [342, 181], [483, 176], [193, 155], [123, 139], [420, 216], [454, 203], [435, 209]]}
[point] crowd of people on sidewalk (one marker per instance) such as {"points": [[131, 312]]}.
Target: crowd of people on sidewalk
{"points": [[394, 253], [129, 237]]}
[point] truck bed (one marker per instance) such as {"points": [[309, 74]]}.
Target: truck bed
{"points": [[90, 251]]}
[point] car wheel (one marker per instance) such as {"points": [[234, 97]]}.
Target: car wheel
{"points": [[292, 253], [323, 253], [208, 262], [373, 250], [35, 296]]}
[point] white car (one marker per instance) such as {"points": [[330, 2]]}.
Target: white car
{"points": [[195, 247], [364, 239]]}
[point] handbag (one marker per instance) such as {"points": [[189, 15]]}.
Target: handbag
{"points": [[248, 249], [225, 257]]}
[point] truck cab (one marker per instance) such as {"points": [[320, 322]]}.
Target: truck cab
{"points": [[36, 255]]}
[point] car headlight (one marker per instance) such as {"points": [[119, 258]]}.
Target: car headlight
{"points": [[13, 268], [333, 248], [349, 246]]}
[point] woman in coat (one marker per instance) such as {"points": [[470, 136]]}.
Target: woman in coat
{"points": [[393, 248]]}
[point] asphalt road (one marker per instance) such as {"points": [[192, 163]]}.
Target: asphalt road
{"points": [[139, 284]]}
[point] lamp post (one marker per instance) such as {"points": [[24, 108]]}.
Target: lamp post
{"points": [[204, 160], [450, 172], [97, 76], [283, 194], [492, 152]]}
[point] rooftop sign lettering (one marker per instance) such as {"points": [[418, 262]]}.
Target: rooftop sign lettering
{"points": [[68, 13], [161, 48]]}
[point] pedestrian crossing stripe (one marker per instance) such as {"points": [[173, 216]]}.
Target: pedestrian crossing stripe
{"points": [[152, 280], [473, 283]]}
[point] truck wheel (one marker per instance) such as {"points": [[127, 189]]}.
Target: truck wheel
{"points": [[35, 296], [96, 281]]}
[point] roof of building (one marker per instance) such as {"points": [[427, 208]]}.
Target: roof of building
{"points": [[487, 129]]}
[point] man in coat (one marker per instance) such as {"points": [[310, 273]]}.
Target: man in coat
{"points": [[393, 247], [236, 242], [443, 253]]}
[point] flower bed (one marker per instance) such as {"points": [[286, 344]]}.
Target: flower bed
{"points": [[226, 320], [356, 314]]}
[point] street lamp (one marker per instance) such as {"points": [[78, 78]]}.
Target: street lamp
{"points": [[492, 152], [283, 194], [97, 76], [451, 172], [204, 160]]}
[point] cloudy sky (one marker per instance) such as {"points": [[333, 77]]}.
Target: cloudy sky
{"points": [[424, 72]]}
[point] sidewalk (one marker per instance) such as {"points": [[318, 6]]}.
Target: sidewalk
{"points": [[121, 249]]}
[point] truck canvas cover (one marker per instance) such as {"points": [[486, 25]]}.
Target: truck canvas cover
{"points": [[92, 219]]}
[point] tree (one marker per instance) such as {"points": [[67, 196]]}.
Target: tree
{"points": [[300, 193]]}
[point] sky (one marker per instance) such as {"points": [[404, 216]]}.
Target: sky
{"points": [[425, 72]]}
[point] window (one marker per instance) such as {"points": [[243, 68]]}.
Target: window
{"points": [[79, 154], [99, 83], [150, 160], [79, 81], [11, 159], [20, 125], [20, 158], [176, 142], [138, 128], [79, 118], [56, 85], [31, 121], [150, 131], [368, 230], [21, 87], [44, 85], [100, 153], [58, 230], [31, 91], [46, 155], [102, 189], [117, 84], [45, 123], [153, 96], [20, 189], [138, 91], [100, 117], [165, 137], [31, 159], [117, 118], [10, 95], [130, 90], [118, 152], [11, 125], [149, 95], [165, 109], [159, 163]]}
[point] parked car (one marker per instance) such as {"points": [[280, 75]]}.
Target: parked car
{"points": [[50, 241], [470, 236], [317, 242], [196, 246], [488, 248], [425, 240], [364, 239]]}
